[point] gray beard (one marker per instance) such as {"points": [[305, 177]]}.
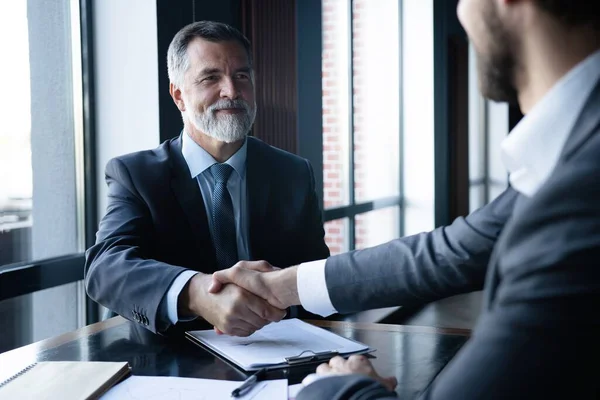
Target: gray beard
{"points": [[226, 128]]}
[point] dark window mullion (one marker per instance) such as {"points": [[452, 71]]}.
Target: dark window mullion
{"points": [[401, 123], [350, 211], [89, 131], [352, 222], [28, 277]]}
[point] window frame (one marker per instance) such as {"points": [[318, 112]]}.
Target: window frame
{"points": [[353, 208]]}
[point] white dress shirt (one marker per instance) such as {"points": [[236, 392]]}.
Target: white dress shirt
{"points": [[529, 153], [199, 162], [532, 149]]}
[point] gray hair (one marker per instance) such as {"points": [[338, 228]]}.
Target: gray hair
{"points": [[177, 58]]}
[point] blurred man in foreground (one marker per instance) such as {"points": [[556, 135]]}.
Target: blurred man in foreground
{"points": [[534, 250]]}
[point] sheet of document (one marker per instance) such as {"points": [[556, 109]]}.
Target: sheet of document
{"points": [[166, 387], [272, 344], [293, 391]]}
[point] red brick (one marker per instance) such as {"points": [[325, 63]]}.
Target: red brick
{"points": [[328, 7]]}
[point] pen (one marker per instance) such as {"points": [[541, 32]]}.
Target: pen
{"points": [[248, 383]]}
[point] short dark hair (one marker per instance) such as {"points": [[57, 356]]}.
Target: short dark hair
{"points": [[573, 12], [177, 57]]}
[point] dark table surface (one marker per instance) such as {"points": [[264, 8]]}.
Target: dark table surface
{"points": [[415, 355]]}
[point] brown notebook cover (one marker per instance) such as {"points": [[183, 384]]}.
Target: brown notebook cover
{"points": [[65, 380]]}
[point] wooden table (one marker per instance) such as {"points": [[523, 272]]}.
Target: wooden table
{"points": [[415, 355]]}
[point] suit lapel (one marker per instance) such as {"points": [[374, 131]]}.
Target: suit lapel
{"points": [[258, 187], [187, 193]]}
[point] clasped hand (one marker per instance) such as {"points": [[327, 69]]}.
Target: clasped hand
{"points": [[231, 309], [276, 286]]}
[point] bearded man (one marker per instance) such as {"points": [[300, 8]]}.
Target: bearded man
{"points": [[203, 201]]}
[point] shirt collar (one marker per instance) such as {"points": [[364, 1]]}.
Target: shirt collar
{"points": [[533, 148], [199, 160]]}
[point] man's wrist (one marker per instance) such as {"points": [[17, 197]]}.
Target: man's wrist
{"points": [[192, 295], [283, 284]]}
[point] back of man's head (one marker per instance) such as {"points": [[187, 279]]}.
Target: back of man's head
{"points": [[177, 57]]}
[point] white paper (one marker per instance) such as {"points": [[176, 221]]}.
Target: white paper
{"points": [[273, 343], [167, 387], [293, 391]]}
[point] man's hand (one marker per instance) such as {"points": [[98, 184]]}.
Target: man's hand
{"points": [[356, 364], [277, 286], [233, 311]]}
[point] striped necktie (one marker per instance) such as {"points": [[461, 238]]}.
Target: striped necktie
{"points": [[223, 219]]}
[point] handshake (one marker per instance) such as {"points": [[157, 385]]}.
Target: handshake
{"points": [[242, 299]]}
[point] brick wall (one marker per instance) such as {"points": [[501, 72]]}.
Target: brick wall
{"points": [[336, 119], [335, 122]]}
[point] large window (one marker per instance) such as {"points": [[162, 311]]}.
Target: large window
{"points": [[41, 163], [40, 131], [15, 136], [361, 122]]}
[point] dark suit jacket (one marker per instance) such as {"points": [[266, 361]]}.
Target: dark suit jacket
{"points": [[156, 226], [539, 332]]}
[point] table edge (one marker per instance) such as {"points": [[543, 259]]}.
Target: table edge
{"points": [[56, 341]]}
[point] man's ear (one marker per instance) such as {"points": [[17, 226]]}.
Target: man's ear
{"points": [[177, 96]]}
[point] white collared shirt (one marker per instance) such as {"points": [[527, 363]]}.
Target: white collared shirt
{"points": [[533, 148], [529, 153], [199, 162]]}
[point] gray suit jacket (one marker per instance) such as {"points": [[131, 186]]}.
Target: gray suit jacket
{"points": [[539, 332]]}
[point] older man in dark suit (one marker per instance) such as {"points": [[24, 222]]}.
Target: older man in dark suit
{"points": [[203, 201], [534, 250]]}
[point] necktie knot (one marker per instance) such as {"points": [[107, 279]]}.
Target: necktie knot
{"points": [[221, 172]]}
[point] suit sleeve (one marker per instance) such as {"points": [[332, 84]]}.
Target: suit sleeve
{"points": [[421, 268], [119, 272], [539, 336], [347, 387]]}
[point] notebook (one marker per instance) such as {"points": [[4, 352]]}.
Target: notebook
{"points": [[278, 345], [65, 380]]}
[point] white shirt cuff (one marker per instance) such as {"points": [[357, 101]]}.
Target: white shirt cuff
{"points": [[173, 296], [312, 288]]}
